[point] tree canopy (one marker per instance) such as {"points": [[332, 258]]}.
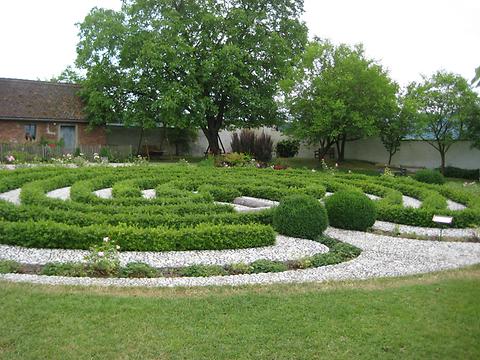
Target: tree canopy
{"points": [[445, 107], [336, 94], [207, 64]]}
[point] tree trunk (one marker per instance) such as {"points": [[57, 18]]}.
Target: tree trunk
{"points": [[341, 148], [140, 141], [442, 166], [390, 155], [212, 137]]}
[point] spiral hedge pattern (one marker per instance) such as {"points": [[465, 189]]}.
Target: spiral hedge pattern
{"points": [[184, 214]]}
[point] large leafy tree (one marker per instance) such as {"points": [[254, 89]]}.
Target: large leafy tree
{"points": [[208, 64], [445, 106], [336, 94]]}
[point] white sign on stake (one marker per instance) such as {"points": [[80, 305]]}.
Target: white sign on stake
{"points": [[442, 219]]}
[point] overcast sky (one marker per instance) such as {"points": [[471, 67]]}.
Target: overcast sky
{"points": [[409, 37]]}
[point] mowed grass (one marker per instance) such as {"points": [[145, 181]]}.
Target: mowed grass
{"points": [[433, 316]]}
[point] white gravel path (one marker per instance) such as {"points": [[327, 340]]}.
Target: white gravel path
{"points": [[285, 248], [411, 202], [455, 206], [252, 202], [104, 193], [423, 231], [61, 194], [382, 256], [12, 196]]}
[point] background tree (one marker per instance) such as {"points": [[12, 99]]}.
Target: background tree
{"points": [[476, 78], [445, 104], [207, 64], [394, 128], [337, 95]]}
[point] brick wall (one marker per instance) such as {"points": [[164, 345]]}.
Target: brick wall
{"points": [[14, 132]]}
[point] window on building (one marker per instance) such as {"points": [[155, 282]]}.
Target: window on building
{"points": [[30, 132]]}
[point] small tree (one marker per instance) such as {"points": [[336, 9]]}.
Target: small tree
{"points": [[445, 104], [393, 129], [336, 95]]}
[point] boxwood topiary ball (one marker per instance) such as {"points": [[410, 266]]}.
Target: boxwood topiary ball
{"points": [[351, 210], [300, 216]]}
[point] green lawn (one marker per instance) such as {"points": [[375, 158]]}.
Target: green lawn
{"points": [[432, 316]]}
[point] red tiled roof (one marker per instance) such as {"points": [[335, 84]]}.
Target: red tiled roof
{"points": [[40, 100]]}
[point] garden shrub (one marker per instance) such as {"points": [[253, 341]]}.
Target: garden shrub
{"points": [[454, 172], [138, 270], [264, 266], [300, 216], [203, 271], [287, 148], [429, 176], [263, 147], [350, 210], [9, 266], [234, 159], [48, 234], [64, 269], [243, 142]]}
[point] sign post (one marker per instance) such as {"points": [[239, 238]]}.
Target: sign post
{"points": [[442, 220]]}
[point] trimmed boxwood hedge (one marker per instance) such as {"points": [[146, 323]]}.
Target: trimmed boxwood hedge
{"points": [[300, 216], [351, 210], [184, 201], [48, 234]]}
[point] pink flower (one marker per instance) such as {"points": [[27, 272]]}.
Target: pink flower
{"points": [[101, 253]]}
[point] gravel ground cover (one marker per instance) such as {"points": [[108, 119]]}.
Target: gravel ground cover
{"points": [[382, 256], [285, 249]]}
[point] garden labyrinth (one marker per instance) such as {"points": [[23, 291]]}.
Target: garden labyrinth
{"points": [[213, 226]]}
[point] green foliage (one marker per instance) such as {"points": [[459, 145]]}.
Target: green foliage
{"points": [[47, 234], [64, 269], [287, 148], [9, 266], [235, 159], [446, 110], [138, 270], [264, 266], [104, 258], [300, 216], [203, 64], [323, 98], [203, 271], [454, 172], [429, 176], [350, 210], [396, 125]]}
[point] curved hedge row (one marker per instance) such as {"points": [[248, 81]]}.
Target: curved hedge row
{"points": [[184, 215]]}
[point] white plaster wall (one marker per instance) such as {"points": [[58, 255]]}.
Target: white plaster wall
{"points": [[414, 153], [199, 147]]}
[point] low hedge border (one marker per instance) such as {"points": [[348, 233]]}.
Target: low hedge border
{"points": [[49, 234], [339, 252]]}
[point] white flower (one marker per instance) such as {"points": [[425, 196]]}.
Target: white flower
{"points": [[117, 247], [101, 254], [313, 170], [106, 239]]}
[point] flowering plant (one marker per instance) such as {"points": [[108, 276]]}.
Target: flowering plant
{"points": [[104, 258], [332, 170], [388, 173], [10, 159]]}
